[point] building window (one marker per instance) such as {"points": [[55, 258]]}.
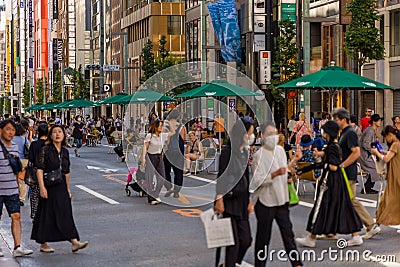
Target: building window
{"points": [[191, 3], [192, 41], [174, 24], [394, 34]]}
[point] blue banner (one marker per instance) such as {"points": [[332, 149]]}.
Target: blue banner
{"points": [[225, 22]]}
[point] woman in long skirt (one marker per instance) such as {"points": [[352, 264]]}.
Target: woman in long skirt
{"points": [[54, 221], [333, 212]]}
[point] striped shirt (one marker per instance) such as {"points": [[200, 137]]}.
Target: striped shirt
{"points": [[8, 181]]}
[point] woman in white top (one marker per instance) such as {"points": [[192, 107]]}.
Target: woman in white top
{"points": [[152, 158], [271, 196]]}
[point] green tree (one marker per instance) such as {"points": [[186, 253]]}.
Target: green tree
{"points": [[57, 90], [362, 41], [286, 64], [39, 90], [79, 84], [1, 105], [7, 103], [27, 94], [164, 59], [148, 63]]}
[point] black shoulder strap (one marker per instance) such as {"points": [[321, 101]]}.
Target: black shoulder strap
{"points": [[5, 151]]}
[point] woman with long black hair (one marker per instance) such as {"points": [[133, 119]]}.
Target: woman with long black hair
{"points": [[54, 221], [152, 159], [233, 197]]}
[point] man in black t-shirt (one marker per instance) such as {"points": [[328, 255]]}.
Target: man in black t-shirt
{"points": [[350, 154]]}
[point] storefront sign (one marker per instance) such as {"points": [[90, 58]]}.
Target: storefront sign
{"points": [[265, 67]]}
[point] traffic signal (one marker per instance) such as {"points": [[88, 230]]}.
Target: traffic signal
{"points": [[93, 67]]}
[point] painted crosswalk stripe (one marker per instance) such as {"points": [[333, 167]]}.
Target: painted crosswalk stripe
{"points": [[94, 193]]}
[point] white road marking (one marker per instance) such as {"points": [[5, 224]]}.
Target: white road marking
{"points": [[100, 169], [201, 179], [94, 193]]}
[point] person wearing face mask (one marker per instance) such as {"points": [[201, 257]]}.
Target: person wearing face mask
{"points": [[271, 196], [233, 177], [333, 212]]}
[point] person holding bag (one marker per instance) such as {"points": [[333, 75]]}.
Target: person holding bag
{"points": [[333, 212], [233, 198], [10, 166], [271, 196], [54, 221]]}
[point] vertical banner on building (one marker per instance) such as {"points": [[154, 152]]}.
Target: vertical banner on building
{"points": [[225, 21], [55, 9], [8, 57], [265, 67]]}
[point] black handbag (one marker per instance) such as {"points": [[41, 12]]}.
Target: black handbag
{"points": [[54, 177], [30, 175], [14, 160]]}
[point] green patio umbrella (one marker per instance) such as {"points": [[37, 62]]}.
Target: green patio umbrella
{"points": [[333, 79], [115, 99], [34, 107], [145, 95], [218, 88], [76, 103], [47, 106]]}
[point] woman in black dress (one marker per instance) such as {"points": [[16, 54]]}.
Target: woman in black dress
{"points": [[233, 197], [54, 221], [333, 212]]}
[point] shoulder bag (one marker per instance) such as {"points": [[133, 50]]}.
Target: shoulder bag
{"points": [[14, 160], [54, 177], [30, 175]]}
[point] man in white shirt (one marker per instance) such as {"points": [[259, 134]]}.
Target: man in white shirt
{"points": [[271, 196]]}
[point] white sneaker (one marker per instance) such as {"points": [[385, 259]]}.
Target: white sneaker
{"points": [[327, 237], [375, 230], [355, 241], [306, 242], [20, 252]]}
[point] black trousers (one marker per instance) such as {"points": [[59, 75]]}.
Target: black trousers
{"points": [[119, 150], [242, 234], [178, 176], [154, 166], [369, 184], [265, 217]]}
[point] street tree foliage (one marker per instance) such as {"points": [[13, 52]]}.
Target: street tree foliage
{"points": [[148, 63], [26, 91], [362, 40], [286, 62], [79, 84], [164, 60], [2, 106], [57, 88], [7, 104], [39, 90]]}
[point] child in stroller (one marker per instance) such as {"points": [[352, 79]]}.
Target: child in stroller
{"points": [[138, 184]]}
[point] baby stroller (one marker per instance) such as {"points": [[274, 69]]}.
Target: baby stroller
{"points": [[137, 184]]}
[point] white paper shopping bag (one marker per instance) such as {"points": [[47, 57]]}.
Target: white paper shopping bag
{"points": [[219, 232]]}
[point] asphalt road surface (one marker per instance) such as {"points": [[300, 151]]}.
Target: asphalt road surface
{"points": [[126, 231]]}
